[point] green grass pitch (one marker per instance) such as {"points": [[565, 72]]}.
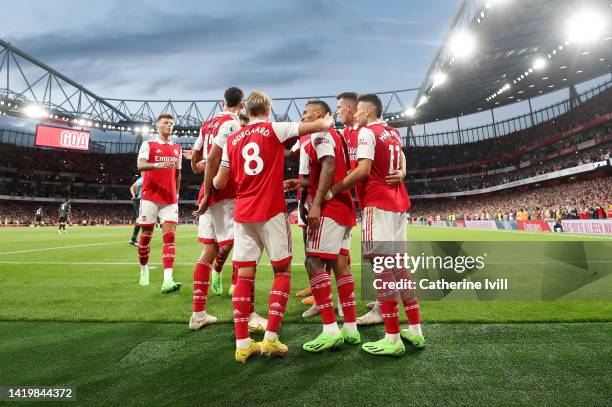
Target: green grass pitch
{"points": [[72, 314]]}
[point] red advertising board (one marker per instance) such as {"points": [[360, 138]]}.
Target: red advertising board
{"points": [[533, 225], [59, 137]]}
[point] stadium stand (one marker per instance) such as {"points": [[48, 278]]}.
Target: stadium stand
{"points": [[588, 199], [98, 183], [581, 135]]}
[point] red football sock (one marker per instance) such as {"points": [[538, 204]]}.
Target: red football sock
{"points": [[144, 248], [252, 297], [234, 275], [168, 250], [387, 299], [346, 294], [279, 295], [390, 315], [413, 311], [409, 299], [241, 303], [321, 289], [201, 280], [221, 257]]}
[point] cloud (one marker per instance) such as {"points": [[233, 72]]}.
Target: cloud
{"points": [[185, 51], [194, 51], [190, 32]]}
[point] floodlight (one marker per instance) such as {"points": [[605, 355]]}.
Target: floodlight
{"points": [[462, 44], [34, 111], [585, 26], [539, 63], [438, 79]]}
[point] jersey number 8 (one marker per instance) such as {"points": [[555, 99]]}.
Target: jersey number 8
{"points": [[250, 153]]}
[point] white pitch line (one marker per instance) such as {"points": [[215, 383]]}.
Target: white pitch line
{"points": [[59, 248], [525, 232], [44, 249]]}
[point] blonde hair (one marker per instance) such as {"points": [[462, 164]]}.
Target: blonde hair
{"points": [[258, 104]]}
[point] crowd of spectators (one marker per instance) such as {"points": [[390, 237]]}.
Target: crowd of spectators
{"points": [[49, 173], [598, 153], [28, 172], [423, 157], [14, 213], [588, 199]]}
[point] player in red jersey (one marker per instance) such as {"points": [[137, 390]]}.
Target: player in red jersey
{"points": [[325, 159], [304, 201], [346, 108], [253, 158], [216, 229], [384, 223], [160, 160]]}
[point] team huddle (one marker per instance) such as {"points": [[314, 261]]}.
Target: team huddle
{"points": [[242, 208]]}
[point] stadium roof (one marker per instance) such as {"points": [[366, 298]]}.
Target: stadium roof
{"points": [[521, 49]]}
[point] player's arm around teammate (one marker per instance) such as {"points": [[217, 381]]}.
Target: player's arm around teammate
{"points": [[385, 205], [329, 233], [397, 176], [254, 159], [217, 225]]}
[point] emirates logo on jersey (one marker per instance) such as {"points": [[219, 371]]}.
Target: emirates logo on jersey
{"points": [[165, 159]]}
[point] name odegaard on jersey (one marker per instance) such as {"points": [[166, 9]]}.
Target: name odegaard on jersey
{"points": [[261, 130]]}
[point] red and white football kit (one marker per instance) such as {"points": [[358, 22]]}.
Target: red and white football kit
{"points": [[217, 225], [351, 138], [384, 206], [159, 189], [159, 199], [384, 222], [299, 148], [255, 157], [333, 236]]}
